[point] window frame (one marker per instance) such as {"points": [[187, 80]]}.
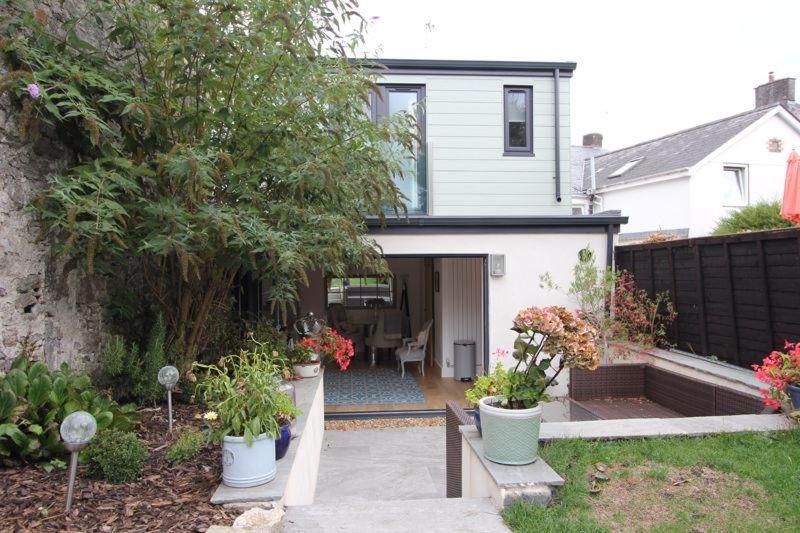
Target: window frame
{"points": [[746, 185], [526, 150], [379, 106], [392, 285]]}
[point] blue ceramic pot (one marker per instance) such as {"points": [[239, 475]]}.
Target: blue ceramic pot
{"points": [[477, 415], [282, 442], [794, 394]]}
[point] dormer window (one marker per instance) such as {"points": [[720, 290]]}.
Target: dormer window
{"points": [[518, 120], [624, 168]]}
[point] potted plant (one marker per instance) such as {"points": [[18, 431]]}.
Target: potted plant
{"points": [[781, 371], [242, 394], [286, 413], [331, 346], [487, 385], [305, 361], [549, 339]]}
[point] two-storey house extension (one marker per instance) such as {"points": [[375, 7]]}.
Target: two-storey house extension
{"points": [[489, 201]]}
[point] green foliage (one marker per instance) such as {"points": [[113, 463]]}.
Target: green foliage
{"points": [[116, 456], [243, 392], [591, 288], [215, 140], [131, 374], [771, 463], [34, 401], [488, 385], [187, 446], [757, 217]]}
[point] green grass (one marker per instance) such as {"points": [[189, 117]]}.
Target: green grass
{"points": [[770, 461]]}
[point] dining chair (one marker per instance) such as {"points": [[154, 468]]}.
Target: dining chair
{"points": [[413, 349]]}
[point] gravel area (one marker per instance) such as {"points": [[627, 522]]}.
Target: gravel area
{"points": [[382, 423]]}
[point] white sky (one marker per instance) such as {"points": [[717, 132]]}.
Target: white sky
{"points": [[645, 69]]}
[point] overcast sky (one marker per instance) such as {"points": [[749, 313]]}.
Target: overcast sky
{"points": [[645, 69]]}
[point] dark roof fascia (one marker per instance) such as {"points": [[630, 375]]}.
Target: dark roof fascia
{"points": [[441, 224], [421, 66]]}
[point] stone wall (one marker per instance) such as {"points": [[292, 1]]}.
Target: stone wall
{"points": [[41, 295]]}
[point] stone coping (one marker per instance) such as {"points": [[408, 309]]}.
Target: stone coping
{"points": [[305, 391], [505, 476], [698, 363], [662, 427]]}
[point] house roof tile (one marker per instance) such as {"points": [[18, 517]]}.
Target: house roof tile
{"points": [[676, 151]]}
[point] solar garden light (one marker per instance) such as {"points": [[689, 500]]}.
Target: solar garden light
{"points": [[168, 376], [76, 431]]}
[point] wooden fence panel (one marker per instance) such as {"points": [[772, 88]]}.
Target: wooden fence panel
{"points": [[737, 296]]}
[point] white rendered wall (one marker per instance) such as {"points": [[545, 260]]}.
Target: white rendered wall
{"points": [[528, 255], [650, 207], [766, 173], [467, 171]]}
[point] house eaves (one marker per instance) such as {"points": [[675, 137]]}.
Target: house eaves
{"points": [[487, 224], [646, 180]]}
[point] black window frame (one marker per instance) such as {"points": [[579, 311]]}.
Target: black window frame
{"points": [[526, 150]]}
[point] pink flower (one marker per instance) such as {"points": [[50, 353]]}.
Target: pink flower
{"points": [[33, 90]]}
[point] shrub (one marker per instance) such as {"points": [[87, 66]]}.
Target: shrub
{"points": [[116, 456], [131, 374], [639, 318], [187, 446], [34, 401], [756, 217]]}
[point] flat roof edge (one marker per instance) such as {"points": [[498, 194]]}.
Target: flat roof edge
{"points": [[480, 65], [497, 222]]}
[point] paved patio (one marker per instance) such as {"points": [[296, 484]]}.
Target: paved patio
{"points": [[382, 464]]}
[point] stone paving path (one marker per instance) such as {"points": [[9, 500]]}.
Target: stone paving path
{"points": [[382, 464]]}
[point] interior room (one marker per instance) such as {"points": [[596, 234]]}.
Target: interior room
{"points": [[419, 335]]}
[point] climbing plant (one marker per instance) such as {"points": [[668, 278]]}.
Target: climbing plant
{"points": [[214, 139]]}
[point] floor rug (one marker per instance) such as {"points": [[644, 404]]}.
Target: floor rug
{"points": [[370, 386]]}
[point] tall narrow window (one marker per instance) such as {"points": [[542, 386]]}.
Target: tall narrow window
{"points": [[518, 120], [413, 179], [734, 186]]}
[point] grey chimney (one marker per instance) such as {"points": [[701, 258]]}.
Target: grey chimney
{"points": [[593, 140], [775, 92]]}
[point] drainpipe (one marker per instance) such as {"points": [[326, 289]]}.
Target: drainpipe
{"points": [[556, 76], [593, 185], [610, 246]]}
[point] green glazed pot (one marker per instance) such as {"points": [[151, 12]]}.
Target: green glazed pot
{"points": [[510, 436]]}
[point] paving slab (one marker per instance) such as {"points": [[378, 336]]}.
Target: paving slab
{"points": [[382, 464], [662, 427], [444, 515]]}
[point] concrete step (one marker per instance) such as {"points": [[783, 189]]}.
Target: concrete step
{"points": [[440, 515]]}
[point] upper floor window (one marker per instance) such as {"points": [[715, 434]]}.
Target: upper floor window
{"points": [[412, 180], [734, 186], [518, 120]]}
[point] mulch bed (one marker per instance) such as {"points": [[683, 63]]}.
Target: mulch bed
{"points": [[165, 498]]}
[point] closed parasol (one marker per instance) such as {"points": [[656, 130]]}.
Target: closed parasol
{"points": [[790, 208]]}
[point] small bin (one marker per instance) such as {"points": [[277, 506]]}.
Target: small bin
{"points": [[464, 354]]}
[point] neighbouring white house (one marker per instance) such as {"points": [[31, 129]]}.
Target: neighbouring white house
{"points": [[490, 203], [683, 183]]}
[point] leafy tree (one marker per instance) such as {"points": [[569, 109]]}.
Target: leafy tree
{"points": [[215, 138], [756, 217]]}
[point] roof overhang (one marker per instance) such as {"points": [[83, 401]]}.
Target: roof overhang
{"points": [[512, 224], [447, 66]]}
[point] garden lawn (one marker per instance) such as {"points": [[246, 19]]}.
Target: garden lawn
{"points": [[733, 482]]}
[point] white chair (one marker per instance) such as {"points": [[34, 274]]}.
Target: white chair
{"points": [[413, 349]]}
